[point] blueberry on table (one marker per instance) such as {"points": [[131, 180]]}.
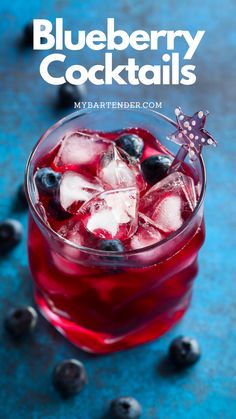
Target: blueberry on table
{"points": [[125, 408], [184, 351], [132, 144], [47, 180], [155, 168], [69, 377], [69, 93], [10, 234], [112, 245], [21, 321]]}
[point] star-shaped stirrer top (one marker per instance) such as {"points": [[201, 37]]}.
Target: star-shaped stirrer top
{"points": [[191, 135]]}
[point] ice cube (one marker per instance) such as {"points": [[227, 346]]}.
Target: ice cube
{"points": [[73, 232], [168, 214], [116, 170], [79, 149], [146, 234], [75, 189], [111, 214], [169, 200]]}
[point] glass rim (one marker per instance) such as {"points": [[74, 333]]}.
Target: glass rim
{"points": [[90, 250]]}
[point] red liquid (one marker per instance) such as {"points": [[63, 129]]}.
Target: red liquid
{"points": [[103, 309]]}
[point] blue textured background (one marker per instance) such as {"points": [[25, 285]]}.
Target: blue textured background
{"points": [[26, 110]]}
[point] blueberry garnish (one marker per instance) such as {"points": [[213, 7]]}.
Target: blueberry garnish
{"points": [[184, 351], [112, 245], [22, 195], [70, 93], [21, 321], [155, 168], [47, 180], [132, 144], [10, 234], [125, 408], [69, 377]]}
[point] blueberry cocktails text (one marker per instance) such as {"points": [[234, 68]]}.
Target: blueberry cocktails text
{"points": [[113, 233]]}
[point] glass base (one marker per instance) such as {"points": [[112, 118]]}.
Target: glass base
{"points": [[102, 343]]}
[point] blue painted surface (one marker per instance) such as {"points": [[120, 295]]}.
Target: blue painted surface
{"points": [[26, 103]]}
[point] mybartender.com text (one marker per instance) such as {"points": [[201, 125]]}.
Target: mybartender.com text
{"points": [[118, 105]]}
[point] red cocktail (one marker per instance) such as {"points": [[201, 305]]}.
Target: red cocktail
{"points": [[112, 251]]}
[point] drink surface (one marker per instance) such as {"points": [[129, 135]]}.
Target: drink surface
{"points": [[102, 195]]}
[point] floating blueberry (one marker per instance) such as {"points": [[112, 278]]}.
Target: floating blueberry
{"points": [[125, 408], [114, 262], [21, 321], [132, 144], [69, 93], [10, 234], [47, 180], [184, 351], [155, 168], [69, 377], [22, 196], [112, 245]]}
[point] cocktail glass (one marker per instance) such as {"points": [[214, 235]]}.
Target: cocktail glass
{"points": [[107, 301]]}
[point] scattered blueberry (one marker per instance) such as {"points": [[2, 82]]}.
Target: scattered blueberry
{"points": [[21, 321], [125, 408], [47, 180], [112, 245], [132, 144], [69, 377], [154, 168], [28, 35], [22, 195], [184, 351], [10, 234], [70, 93]]}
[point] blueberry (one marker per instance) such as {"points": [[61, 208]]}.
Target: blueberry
{"points": [[69, 377], [155, 168], [132, 144], [125, 408], [184, 351], [69, 93], [22, 195], [10, 234], [21, 321], [112, 245], [114, 262], [47, 180]]}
